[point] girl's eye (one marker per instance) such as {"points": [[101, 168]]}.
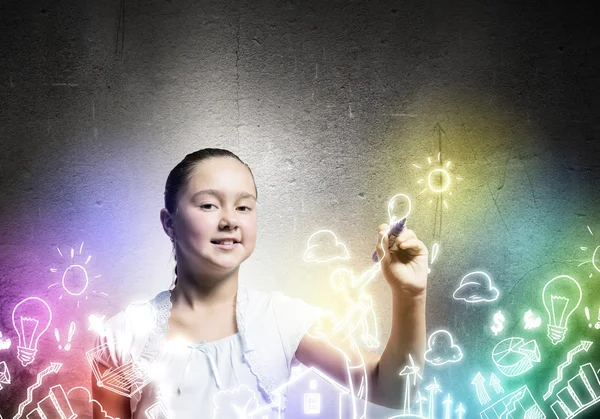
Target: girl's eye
{"points": [[205, 205]]}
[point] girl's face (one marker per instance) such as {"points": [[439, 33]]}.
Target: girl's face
{"points": [[204, 216]]}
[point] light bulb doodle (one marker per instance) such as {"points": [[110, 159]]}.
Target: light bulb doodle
{"points": [[432, 388], [441, 349], [531, 322], [584, 345], [518, 404], [324, 246], [54, 405], [482, 394], [4, 343], [69, 337], [53, 368], [498, 325], [408, 371], [4, 374], [74, 278], [595, 258], [30, 318], [496, 384], [581, 392], [587, 316], [399, 208], [514, 356], [438, 179], [561, 296], [476, 287]]}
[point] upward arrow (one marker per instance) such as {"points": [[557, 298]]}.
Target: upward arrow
{"points": [[496, 384], [482, 394]]}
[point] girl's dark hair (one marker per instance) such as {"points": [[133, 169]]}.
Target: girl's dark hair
{"points": [[180, 175]]}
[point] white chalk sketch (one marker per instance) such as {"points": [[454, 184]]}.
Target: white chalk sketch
{"points": [[31, 318], [531, 321], [581, 392], [584, 345], [561, 296], [53, 368], [476, 287], [441, 349], [514, 356], [54, 405], [482, 394], [4, 374], [518, 404], [324, 246]]}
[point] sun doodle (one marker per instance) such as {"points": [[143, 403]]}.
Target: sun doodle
{"points": [[74, 279], [438, 178], [595, 257]]}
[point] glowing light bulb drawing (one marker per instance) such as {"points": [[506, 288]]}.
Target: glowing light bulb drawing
{"points": [[561, 296], [31, 318]]}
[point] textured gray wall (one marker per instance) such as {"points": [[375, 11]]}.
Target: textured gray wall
{"points": [[330, 103]]}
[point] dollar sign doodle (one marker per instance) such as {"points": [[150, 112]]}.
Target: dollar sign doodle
{"points": [[498, 322]]}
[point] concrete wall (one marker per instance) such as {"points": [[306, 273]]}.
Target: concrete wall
{"points": [[332, 104]]}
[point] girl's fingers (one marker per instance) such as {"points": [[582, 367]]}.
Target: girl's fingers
{"points": [[412, 245]]}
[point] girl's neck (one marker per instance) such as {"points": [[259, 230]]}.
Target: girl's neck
{"points": [[194, 293]]}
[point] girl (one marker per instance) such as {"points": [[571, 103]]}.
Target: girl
{"points": [[214, 344]]}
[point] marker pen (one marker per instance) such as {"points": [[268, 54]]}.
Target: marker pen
{"points": [[393, 233]]}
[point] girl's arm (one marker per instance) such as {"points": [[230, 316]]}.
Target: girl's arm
{"points": [[109, 404], [405, 270]]}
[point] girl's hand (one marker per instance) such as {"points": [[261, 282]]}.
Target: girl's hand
{"points": [[405, 265]]}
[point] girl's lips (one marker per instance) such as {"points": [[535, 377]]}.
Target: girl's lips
{"points": [[226, 246]]}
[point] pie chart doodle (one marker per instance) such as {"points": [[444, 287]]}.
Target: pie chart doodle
{"points": [[514, 356]]}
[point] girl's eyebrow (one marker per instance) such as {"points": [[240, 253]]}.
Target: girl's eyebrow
{"points": [[220, 195]]}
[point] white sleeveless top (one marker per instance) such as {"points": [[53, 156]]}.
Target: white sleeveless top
{"points": [[207, 379]]}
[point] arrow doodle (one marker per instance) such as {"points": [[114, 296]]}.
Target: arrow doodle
{"points": [[583, 346], [54, 367], [482, 394], [495, 383]]}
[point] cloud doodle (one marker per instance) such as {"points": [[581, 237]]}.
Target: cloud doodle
{"points": [[441, 349], [476, 287]]}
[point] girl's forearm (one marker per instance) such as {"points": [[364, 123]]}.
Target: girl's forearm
{"points": [[407, 337]]}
